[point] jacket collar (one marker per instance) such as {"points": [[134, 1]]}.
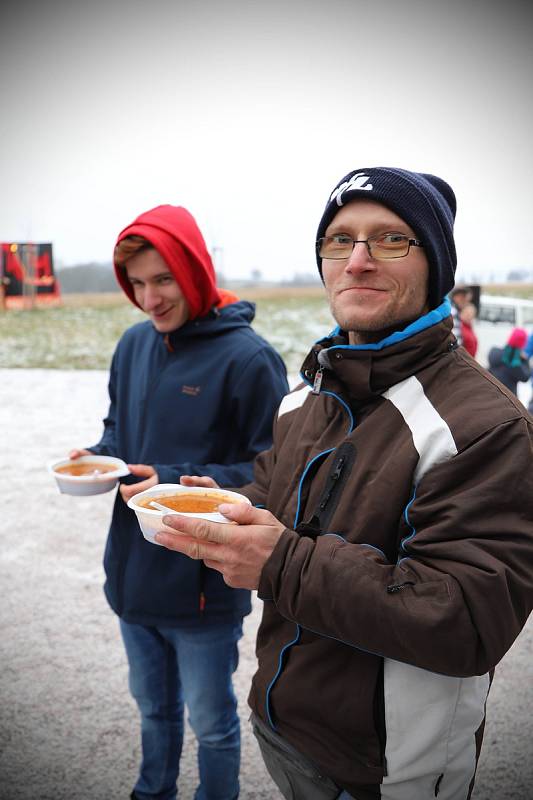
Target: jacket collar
{"points": [[216, 322], [365, 371]]}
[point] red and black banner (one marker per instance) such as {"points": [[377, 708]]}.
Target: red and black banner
{"points": [[27, 271]]}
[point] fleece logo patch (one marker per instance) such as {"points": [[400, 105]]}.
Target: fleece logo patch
{"points": [[192, 391], [357, 181]]}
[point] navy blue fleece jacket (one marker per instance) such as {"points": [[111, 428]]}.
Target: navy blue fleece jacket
{"points": [[204, 407]]}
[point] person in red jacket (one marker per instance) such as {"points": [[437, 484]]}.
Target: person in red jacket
{"points": [[467, 315]]}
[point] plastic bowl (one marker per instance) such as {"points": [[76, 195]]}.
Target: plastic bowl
{"points": [[88, 484], [150, 518]]}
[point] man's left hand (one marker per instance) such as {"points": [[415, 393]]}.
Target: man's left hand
{"points": [[238, 551]]}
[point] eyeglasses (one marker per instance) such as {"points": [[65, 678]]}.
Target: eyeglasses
{"points": [[385, 245]]}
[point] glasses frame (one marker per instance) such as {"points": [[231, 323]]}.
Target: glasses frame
{"points": [[410, 243]]}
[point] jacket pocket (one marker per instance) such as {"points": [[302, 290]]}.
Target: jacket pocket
{"points": [[294, 774], [333, 488]]}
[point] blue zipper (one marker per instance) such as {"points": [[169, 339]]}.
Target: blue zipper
{"points": [[296, 639]]}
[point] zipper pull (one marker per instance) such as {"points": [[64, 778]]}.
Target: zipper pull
{"points": [[338, 469], [333, 478], [317, 383]]}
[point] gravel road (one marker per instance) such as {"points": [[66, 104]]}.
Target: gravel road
{"points": [[68, 728]]}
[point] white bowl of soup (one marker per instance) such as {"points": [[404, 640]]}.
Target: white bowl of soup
{"points": [[191, 501], [88, 475]]}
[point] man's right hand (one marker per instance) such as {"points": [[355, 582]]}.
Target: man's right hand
{"points": [[128, 490], [74, 454], [151, 478], [199, 480]]}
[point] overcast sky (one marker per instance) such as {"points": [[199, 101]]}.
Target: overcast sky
{"points": [[249, 113]]}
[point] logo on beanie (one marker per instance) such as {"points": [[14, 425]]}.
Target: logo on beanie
{"points": [[357, 181]]}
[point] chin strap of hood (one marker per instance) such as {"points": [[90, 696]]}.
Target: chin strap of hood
{"points": [[173, 231]]}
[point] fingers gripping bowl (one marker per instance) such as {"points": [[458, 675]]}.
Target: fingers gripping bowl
{"points": [[191, 501], [88, 474]]}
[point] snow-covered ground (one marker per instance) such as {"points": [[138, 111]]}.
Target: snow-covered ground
{"points": [[68, 728]]}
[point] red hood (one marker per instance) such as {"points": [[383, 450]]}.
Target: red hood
{"points": [[177, 238]]}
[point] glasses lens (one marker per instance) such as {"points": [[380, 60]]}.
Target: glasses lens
{"points": [[335, 247], [389, 245]]}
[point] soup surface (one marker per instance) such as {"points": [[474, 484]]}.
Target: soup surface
{"points": [[189, 503], [84, 469]]}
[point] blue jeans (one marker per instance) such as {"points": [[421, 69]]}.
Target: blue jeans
{"points": [[170, 667]]}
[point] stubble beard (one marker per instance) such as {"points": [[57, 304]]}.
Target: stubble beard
{"points": [[374, 329]]}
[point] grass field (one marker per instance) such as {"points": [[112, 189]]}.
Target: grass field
{"points": [[83, 331]]}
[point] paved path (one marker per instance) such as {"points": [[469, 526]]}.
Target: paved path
{"points": [[68, 728]]}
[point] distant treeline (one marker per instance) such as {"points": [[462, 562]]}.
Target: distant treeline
{"points": [[100, 277], [87, 278]]}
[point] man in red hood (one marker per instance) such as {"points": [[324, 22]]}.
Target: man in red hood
{"points": [[193, 391]]}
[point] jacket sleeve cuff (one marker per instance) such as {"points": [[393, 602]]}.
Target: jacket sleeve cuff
{"points": [[167, 474], [272, 571]]}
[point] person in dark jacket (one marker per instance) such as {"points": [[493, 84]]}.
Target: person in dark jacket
{"points": [[529, 353], [394, 572], [458, 298], [193, 391], [510, 364]]}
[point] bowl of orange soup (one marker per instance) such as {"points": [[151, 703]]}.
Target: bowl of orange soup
{"points": [[88, 474], [191, 501]]}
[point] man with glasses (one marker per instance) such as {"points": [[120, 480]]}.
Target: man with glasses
{"points": [[394, 552]]}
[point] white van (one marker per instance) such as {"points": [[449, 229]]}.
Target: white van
{"points": [[497, 316]]}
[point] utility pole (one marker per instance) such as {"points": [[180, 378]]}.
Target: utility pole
{"points": [[217, 254], [28, 259]]}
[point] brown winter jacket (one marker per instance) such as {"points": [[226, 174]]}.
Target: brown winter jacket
{"points": [[406, 568]]}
